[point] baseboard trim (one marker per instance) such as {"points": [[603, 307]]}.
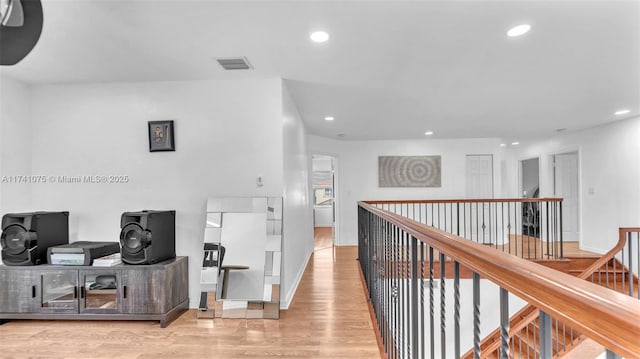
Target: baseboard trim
{"points": [[592, 249]]}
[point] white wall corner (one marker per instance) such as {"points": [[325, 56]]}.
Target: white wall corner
{"points": [[284, 304]]}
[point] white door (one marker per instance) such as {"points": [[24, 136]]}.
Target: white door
{"points": [[479, 225], [479, 176], [566, 186]]}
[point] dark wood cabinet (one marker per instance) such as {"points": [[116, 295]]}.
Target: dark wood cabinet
{"points": [[123, 292], [19, 291]]}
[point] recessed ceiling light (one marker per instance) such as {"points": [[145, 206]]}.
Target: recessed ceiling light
{"points": [[428, 133], [329, 118], [622, 112], [503, 145], [319, 36], [519, 30], [515, 143]]}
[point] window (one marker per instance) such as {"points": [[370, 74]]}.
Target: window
{"points": [[322, 188]]}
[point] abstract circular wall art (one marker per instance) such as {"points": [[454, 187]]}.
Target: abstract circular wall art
{"points": [[409, 171]]}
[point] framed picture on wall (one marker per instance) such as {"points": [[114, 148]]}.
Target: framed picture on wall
{"points": [[161, 136]]}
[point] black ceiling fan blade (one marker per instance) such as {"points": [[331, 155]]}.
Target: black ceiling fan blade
{"points": [[17, 42]]}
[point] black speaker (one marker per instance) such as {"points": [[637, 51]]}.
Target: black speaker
{"points": [[27, 236], [147, 237]]}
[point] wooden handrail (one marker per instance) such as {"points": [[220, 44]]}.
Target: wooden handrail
{"points": [[477, 200], [622, 240], [526, 315], [609, 318]]}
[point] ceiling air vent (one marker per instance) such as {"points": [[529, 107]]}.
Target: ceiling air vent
{"points": [[235, 63]]}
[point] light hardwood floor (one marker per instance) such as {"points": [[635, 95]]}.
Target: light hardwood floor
{"points": [[322, 237], [328, 318], [532, 248]]}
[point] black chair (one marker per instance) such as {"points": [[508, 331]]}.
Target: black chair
{"points": [[213, 253]]}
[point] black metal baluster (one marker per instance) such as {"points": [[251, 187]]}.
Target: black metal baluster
{"points": [[548, 233], [388, 299], [399, 298], [484, 225], [456, 310], [414, 297], [504, 324], [606, 269], [476, 315], [431, 305], [458, 219], [407, 294], [495, 230], [622, 269], [443, 309], [422, 333], [615, 275], [431, 214], [630, 267], [509, 227], [527, 205], [561, 230], [464, 219], [501, 225], [477, 225]]}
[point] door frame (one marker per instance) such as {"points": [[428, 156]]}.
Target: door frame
{"points": [[336, 192], [521, 177]]}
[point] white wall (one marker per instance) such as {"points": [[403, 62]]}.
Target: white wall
{"points": [[322, 163], [297, 217], [227, 132], [609, 167], [323, 216], [357, 172], [15, 146]]}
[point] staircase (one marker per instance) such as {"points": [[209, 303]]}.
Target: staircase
{"points": [[524, 329]]}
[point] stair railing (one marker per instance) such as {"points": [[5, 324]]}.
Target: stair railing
{"points": [[614, 270], [620, 271], [526, 227], [413, 310]]}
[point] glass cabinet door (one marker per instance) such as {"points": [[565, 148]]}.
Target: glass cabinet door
{"points": [[99, 292], [59, 291]]}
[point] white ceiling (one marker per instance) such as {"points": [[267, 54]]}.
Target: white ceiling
{"points": [[391, 70]]}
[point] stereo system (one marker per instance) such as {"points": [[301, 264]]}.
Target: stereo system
{"points": [[147, 237], [81, 253], [27, 236]]}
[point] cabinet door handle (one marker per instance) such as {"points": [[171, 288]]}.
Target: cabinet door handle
{"points": [[75, 292], [124, 292], [82, 293], [33, 291]]}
